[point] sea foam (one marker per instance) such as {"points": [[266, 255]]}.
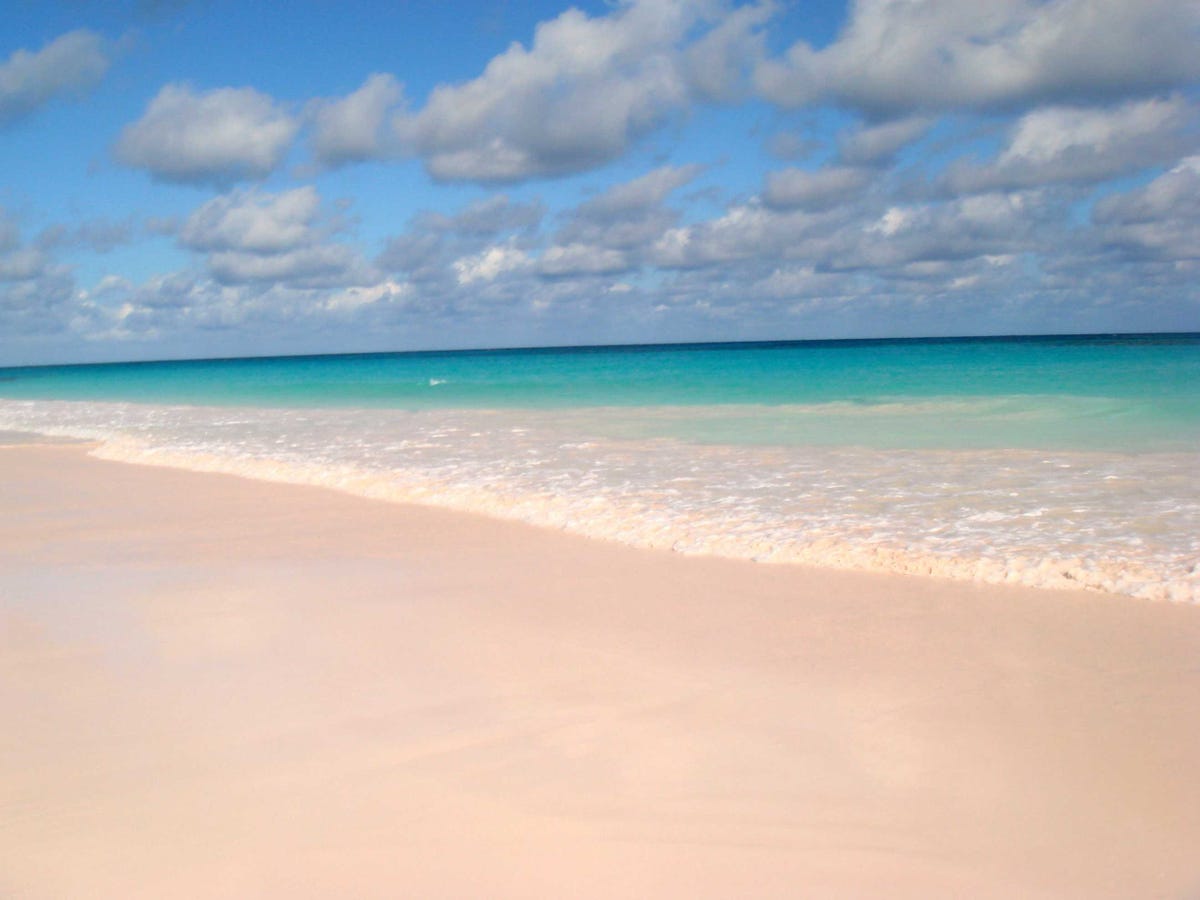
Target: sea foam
{"points": [[1124, 523]]}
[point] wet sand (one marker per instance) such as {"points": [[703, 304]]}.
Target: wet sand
{"points": [[215, 687]]}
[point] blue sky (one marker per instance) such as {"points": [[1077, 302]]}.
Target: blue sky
{"points": [[195, 179]]}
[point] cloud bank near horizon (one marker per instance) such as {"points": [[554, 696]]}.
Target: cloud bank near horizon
{"points": [[1012, 167]]}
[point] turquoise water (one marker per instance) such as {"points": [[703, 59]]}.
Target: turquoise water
{"points": [[1066, 461], [1091, 392]]}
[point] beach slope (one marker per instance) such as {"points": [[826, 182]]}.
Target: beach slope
{"points": [[215, 687]]}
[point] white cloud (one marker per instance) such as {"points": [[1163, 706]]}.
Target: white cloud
{"points": [[816, 189], [232, 317], [581, 259], [472, 245], [633, 232], [1174, 193], [641, 193], [18, 261], [357, 297], [577, 97], [22, 264], [317, 265], [70, 63], [101, 235], [876, 144], [38, 296], [490, 263], [1081, 144], [968, 228], [355, 127], [795, 281], [254, 236], [899, 57], [627, 217], [892, 222], [217, 136], [744, 232], [846, 236], [1160, 220], [488, 216], [870, 233], [253, 221], [720, 64], [112, 283], [1051, 134], [496, 237]]}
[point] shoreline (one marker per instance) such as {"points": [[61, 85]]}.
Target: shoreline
{"points": [[235, 687], [824, 527]]}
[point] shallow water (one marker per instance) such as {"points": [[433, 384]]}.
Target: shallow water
{"points": [[927, 457]]}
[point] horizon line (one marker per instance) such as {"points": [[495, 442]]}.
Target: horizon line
{"points": [[678, 345]]}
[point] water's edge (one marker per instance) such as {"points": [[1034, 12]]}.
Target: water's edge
{"points": [[553, 493]]}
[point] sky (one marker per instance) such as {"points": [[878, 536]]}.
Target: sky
{"points": [[199, 179]]}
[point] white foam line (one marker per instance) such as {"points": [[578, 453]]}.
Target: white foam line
{"points": [[604, 520]]}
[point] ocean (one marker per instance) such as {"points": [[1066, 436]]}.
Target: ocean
{"points": [[1044, 461]]}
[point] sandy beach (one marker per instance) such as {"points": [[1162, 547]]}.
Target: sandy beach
{"points": [[215, 687]]}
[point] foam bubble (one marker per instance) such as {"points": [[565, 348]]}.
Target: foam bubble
{"points": [[1122, 523]]}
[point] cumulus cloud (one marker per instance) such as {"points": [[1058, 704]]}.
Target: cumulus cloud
{"points": [[215, 137], [744, 231], [872, 233], [1072, 144], [895, 58], [252, 221], [876, 144], [101, 235], [71, 63], [582, 92], [814, 189], [440, 250], [317, 265], [492, 252], [18, 261], [489, 216], [581, 259], [255, 236], [490, 263], [720, 64], [357, 297], [422, 255], [111, 283], [228, 317], [585, 89], [641, 193], [22, 264], [627, 217], [1160, 220], [904, 260], [987, 225], [38, 296], [1174, 193], [357, 126]]}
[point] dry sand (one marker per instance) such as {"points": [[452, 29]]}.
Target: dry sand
{"points": [[212, 687]]}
